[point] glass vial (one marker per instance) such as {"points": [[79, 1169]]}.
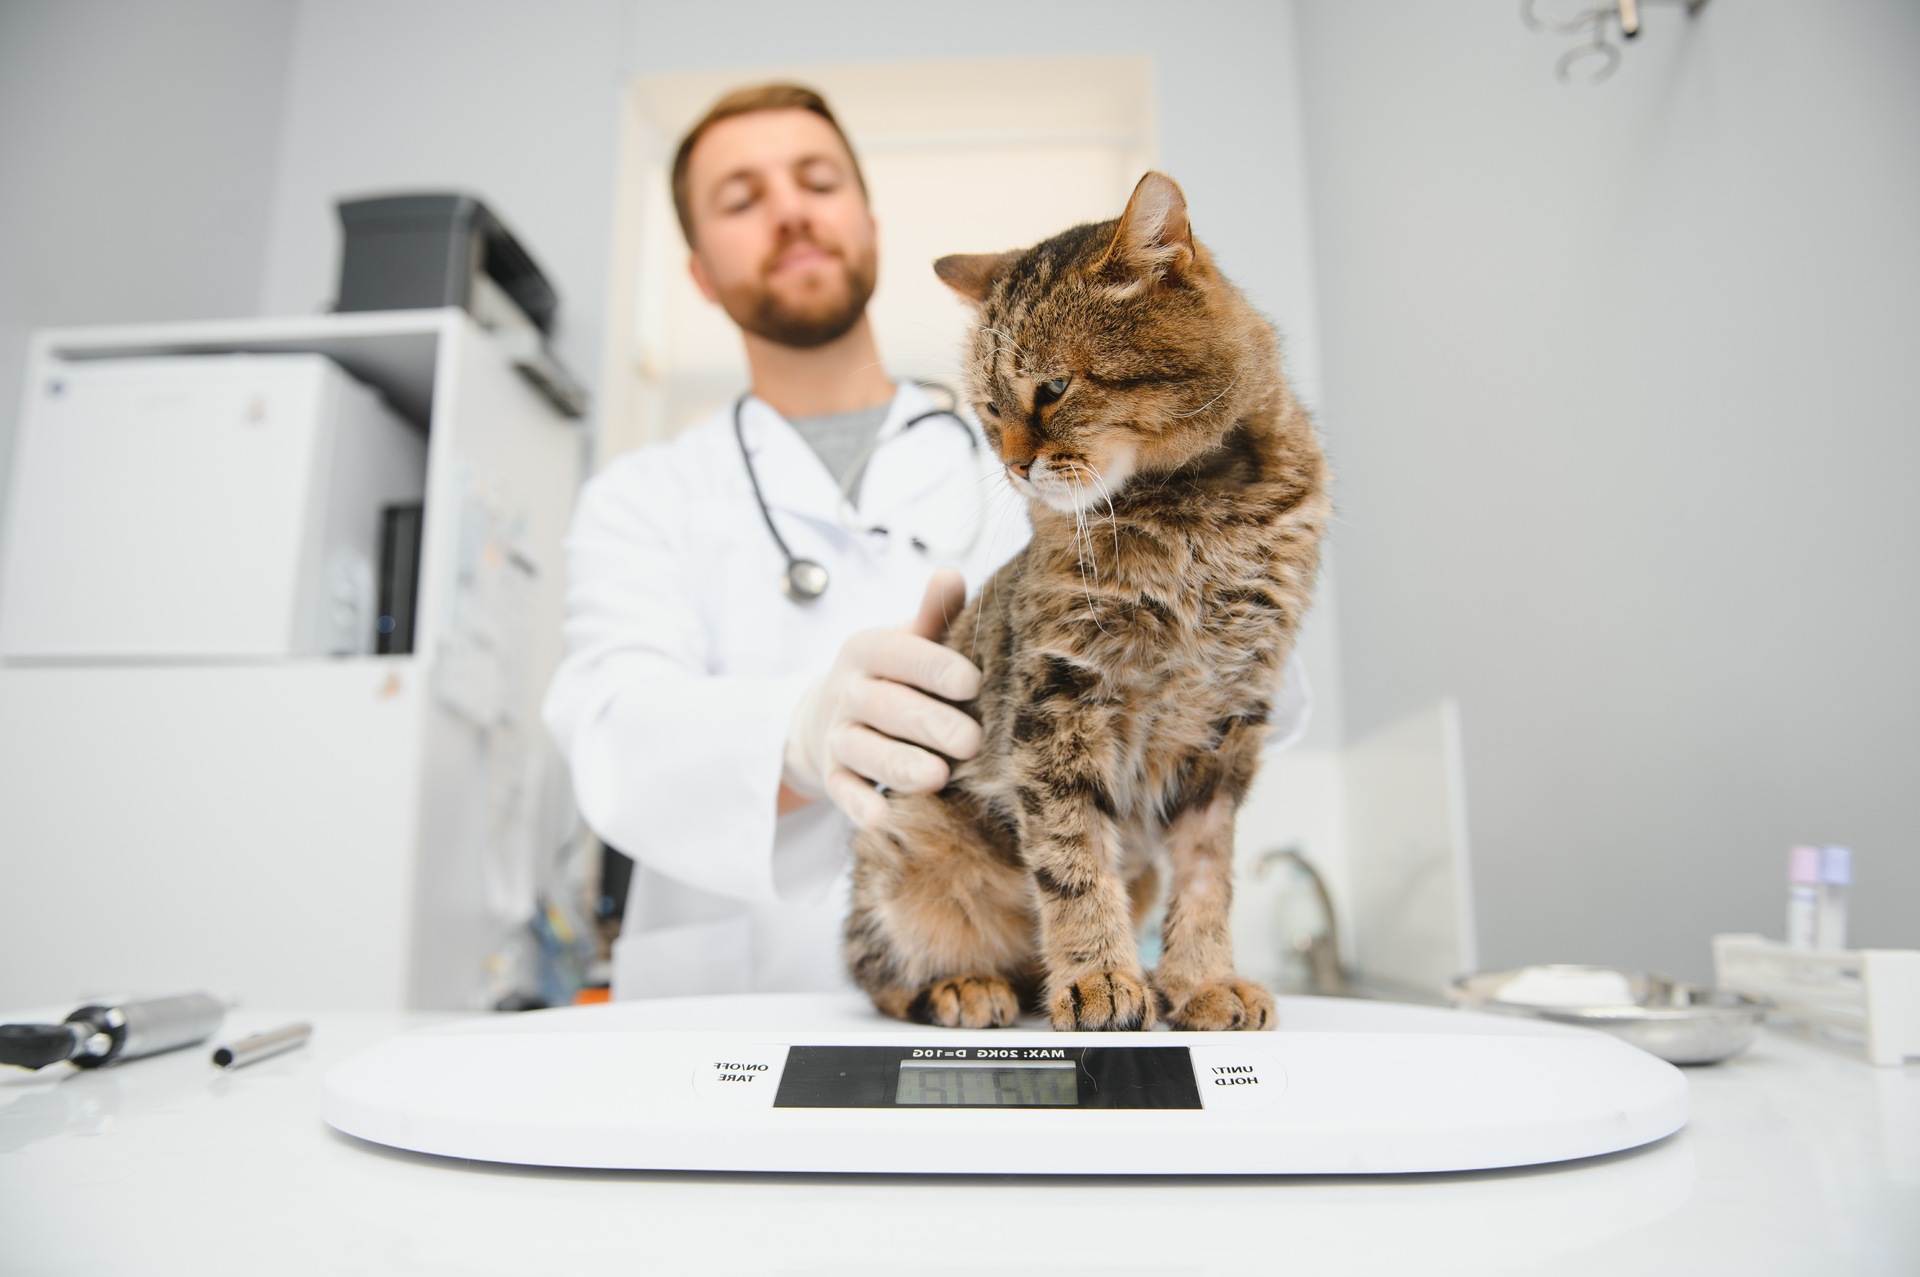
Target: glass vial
{"points": [[1803, 896], [1836, 877]]}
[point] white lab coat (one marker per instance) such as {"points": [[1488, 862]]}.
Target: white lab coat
{"points": [[685, 661]]}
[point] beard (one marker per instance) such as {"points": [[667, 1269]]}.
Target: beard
{"points": [[812, 322]]}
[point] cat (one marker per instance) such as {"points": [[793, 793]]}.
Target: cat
{"points": [[1130, 652]]}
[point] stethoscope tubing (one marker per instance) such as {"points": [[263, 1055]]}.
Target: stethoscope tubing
{"points": [[792, 583], [759, 498]]}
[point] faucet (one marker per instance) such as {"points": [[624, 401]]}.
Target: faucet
{"points": [[1322, 950]]}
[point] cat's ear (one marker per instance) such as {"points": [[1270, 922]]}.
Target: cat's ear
{"points": [[1155, 237], [972, 275]]}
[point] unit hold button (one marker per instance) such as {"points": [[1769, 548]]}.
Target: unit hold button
{"points": [[743, 1077], [1237, 1078]]}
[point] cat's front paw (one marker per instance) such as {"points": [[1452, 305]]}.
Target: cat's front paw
{"points": [[1231, 1003], [966, 1002], [1103, 1000]]}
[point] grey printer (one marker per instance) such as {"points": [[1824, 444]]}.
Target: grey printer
{"points": [[415, 252]]}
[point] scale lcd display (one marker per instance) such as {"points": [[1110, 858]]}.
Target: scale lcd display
{"points": [[991, 1085], [977, 1074]]}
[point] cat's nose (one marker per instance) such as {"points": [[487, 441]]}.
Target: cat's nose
{"points": [[1021, 467]]}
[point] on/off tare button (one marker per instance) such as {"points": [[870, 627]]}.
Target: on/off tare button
{"points": [[1237, 1078], [743, 1077]]}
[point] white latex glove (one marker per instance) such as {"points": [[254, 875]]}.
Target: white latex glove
{"points": [[868, 720]]}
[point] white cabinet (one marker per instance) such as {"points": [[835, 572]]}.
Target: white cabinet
{"points": [[199, 506], [350, 832]]}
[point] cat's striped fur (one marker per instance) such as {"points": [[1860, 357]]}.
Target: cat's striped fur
{"points": [[1130, 653]]}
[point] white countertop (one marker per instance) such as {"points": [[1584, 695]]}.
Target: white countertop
{"points": [[1800, 1158]]}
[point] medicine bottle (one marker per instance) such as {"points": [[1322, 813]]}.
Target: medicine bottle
{"points": [[1803, 896], [1836, 877]]}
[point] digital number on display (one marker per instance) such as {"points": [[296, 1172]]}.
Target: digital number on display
{"points": [[991, 1085]]}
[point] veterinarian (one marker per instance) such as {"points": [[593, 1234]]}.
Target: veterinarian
{"points": [[753, 607]]}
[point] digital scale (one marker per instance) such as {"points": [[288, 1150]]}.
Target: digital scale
{"points": [[806, 1082]]}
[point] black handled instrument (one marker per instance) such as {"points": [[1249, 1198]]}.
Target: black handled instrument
{"points": [[98, 1034]]}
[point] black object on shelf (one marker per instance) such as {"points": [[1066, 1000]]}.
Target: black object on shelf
{"points": [[423, 251], [400, 527], [416, 252]]}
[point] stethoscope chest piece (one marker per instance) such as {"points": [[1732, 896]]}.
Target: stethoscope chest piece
{"points": [[803, 581]]}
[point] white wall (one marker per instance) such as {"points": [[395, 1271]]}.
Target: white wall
{"points": [[514, 101], [136, 160], [1619, 385]]}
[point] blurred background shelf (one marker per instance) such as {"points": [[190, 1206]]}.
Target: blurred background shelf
{"points": [[168, 814]]}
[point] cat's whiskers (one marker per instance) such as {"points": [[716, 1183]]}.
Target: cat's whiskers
{"points": [[1083, 551], [1009, 500], [1079, 548], [1080, 557], [1113, 518], [1091, 559], [1083, 544], [993, 477], [1211, 402], [1002, 335]]}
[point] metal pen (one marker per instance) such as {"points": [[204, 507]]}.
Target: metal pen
{"points": [[261, 1045]]}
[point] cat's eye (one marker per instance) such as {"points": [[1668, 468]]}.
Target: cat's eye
{"points": [[1056, 387], [993, 410]]}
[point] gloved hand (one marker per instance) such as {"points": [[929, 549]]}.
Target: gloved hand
{"points": [[868, 719]]}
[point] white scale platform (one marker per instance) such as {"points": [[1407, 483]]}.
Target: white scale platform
{"points": [[803, 1082]]}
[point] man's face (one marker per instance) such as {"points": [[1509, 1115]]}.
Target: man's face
{"points": [[783, 240]]}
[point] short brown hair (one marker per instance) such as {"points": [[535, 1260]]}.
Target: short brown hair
{"points": [[757, 97]]}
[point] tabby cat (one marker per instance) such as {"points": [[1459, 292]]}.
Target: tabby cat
{"points": [[1130, 652]]}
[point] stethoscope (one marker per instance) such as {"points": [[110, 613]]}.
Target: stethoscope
{"points": [[804, 580]]}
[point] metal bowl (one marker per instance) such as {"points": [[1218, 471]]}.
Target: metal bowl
{"points": [[1681, 1023]]}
